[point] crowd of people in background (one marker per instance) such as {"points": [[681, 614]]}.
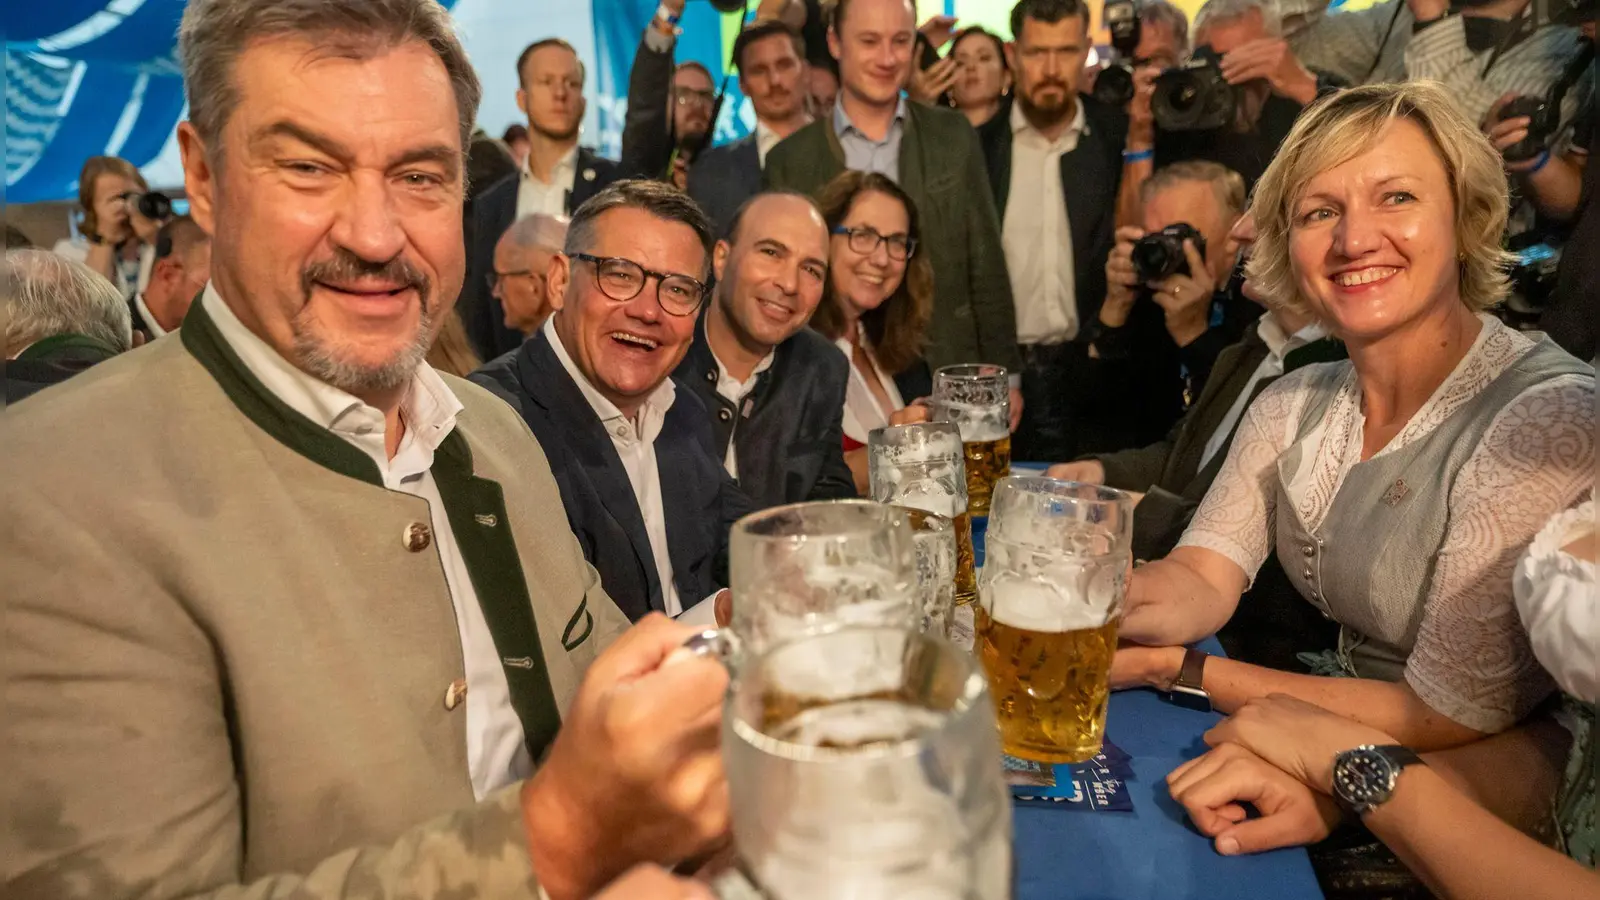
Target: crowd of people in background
{"points": [[1279, 271]]}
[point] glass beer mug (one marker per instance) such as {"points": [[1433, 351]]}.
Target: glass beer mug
{"points": [[933, 545], [810, 566], [977, 398], [921, 466], [1049, 597], [862, 764]]}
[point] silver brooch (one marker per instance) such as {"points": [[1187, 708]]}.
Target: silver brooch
{"points": [[1396, 492]]}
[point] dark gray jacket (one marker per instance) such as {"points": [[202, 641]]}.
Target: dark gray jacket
{"points": [[788, 437]]}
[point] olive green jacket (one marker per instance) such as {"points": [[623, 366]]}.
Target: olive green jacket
{"points": [[227, 650], [942, 168]]}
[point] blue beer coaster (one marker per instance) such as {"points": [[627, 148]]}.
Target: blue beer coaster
{"points": [[1088, 786]]}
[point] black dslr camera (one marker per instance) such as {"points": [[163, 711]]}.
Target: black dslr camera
{"points": [[154, 205], [1114, 84], [1193, 96], [1159, 255], [1542, 121]]}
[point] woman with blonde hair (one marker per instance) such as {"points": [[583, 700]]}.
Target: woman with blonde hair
{"points": [[114, 239], [1398, 487], [875, 306]]}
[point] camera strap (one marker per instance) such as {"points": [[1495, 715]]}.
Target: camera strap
{"points": [[1516, 31], [1377, 58]]}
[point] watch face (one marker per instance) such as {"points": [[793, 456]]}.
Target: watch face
{"points": [[1363, 776]]}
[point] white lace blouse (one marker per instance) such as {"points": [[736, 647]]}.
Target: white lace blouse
{"points": [[1471, 660]]}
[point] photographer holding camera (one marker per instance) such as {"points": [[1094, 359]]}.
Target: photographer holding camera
{"points": [[121, 216], [1167, 311], [1149, 37], [1236, 98]]}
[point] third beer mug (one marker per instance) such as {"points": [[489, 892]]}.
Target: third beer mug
{"points": [[977, 398], [1050, 595], [920, 466]]}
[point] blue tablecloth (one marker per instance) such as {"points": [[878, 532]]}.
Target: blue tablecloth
{"points": [[1152, 853]]}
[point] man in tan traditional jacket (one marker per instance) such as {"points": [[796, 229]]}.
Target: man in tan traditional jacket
{"points": [[288, 613]]}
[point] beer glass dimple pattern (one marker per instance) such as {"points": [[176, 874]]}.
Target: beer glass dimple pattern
{"points": [[862, 764], [977, 399], [1050, 593], [808, 566], [933, 542], [921, 466]]}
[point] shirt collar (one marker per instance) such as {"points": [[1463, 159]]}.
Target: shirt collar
{"points": [[766, 139], [660, 399], [562, 174], [842, 123], [1077, 127], [722, 370], [429, 409], [1280, 343], [149, 320]]}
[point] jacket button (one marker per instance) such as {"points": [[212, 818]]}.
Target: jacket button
{"points": [[455, 693], [417, 537], [1308, 551], [1307, 573], [724, 414], [711, 376]]}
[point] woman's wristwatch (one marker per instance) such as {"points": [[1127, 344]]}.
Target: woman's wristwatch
{"points": [[1364, 778], [1187, 690]]}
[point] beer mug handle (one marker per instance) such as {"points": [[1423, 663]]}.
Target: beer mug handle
{"points": [[719, 644]]}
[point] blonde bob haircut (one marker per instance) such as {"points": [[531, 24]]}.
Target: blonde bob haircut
{"points": [[1340, 127]]}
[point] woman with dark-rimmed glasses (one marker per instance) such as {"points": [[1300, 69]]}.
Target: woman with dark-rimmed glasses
{"points": [[876, 306]]}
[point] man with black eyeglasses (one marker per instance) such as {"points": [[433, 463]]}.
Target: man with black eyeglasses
{"points": [[632, 451]]}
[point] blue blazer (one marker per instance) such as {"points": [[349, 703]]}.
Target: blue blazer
{"points": [[700, 501], [723, 178]]}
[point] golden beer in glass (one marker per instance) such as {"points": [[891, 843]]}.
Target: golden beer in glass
{"points": [[922, 467], [977, 399], [1050, 595]]}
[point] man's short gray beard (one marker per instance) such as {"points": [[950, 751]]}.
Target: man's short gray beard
{"points": [[324, 361]]}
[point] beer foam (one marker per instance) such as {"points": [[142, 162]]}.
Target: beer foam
{"points": [[1034, 605], [986, 422], [927, 497]]}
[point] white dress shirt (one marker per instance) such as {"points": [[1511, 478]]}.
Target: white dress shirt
{"points": [[862, 412], [548, 197], [734, 391], [1036, 236], [635, 441], [497, 754], [766, 139], [1279, 344], [150, 322]]}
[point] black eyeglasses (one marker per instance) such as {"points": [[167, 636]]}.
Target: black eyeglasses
{"points": [[623, 279], [865, 241]]}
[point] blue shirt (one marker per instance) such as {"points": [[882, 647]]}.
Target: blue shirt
{"points": [[865, 154]]}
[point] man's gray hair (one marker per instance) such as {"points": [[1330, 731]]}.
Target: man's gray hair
{"points": [[1226, 183], [215, 32], [538, 231], [48, 294], [1161, 12], [657, 198], [1228, 10]]}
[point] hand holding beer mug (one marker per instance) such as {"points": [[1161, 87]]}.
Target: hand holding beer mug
{"points": [[810, 566], [862, 764], [977, 398], [1050, 595], [921, 467]]}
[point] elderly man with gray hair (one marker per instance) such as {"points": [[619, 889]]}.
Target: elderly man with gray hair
{"points": [[61, 318], [293, 614], [521, 268]]}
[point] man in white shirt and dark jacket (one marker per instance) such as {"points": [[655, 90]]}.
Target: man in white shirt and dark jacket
{"points": [[632, 450], [774, 388]]}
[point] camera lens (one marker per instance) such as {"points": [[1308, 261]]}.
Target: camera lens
{"points": [[1156, 256], [1114, 85]]}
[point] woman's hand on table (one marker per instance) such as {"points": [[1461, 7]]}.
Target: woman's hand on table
{"points": [[1214, 788], [1135, 666], [1298, 737]]}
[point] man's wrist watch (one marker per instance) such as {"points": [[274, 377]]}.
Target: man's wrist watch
{"points": [[1186, 690], [1364, 778]]}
